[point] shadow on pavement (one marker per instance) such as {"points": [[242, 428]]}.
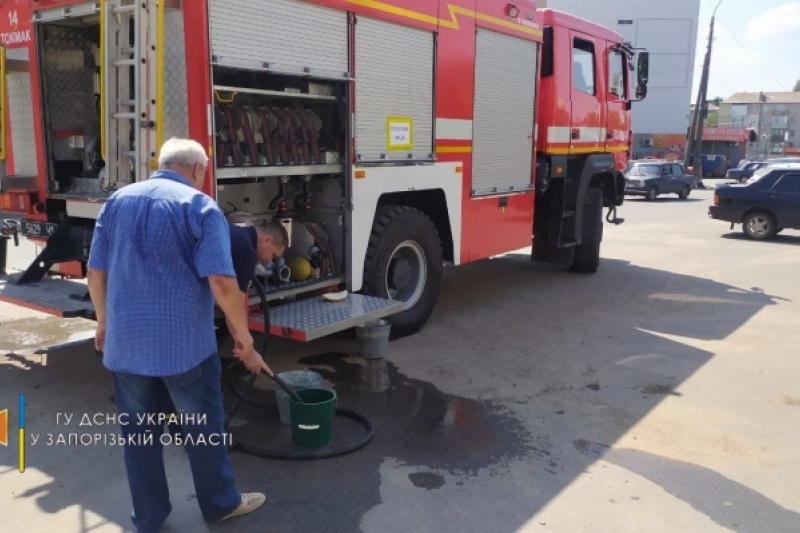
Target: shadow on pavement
{"points": [[725, 501], [664, 199], [519, 362], [792, 240]]}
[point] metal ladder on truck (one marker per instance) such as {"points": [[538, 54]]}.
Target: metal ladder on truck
{"points": [[131, 65], [131, 33]]}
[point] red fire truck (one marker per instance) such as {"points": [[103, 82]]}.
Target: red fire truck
{"points": [[389, 137]]}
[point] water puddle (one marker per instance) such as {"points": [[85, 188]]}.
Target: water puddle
{"points": [[414, 422], [29, 335], [420, 424]]}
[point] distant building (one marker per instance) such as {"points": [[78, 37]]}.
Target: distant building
{"points": [[668, 30], [774, 116], [712, 114]]}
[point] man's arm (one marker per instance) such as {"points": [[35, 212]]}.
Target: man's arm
{"points": [[229, 299], [212, 258], [97, 277], [97, 290]]}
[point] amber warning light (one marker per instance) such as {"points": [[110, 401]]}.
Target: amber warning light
{"points": [[4, 427]]}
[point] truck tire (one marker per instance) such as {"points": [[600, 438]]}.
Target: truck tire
{"points": [[404, 262], [587, 255]]}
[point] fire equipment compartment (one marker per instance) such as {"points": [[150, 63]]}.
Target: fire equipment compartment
{"points": [[290, 124], [69, 61], [280, 153]]}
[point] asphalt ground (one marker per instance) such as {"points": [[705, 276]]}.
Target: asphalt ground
{"points": [[659, 394]]}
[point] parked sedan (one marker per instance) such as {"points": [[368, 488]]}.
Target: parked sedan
{"points": [[650, 179], [745, 172], [768, 203]]}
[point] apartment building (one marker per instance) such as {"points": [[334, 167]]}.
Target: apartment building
{"points": [[774, 115]]}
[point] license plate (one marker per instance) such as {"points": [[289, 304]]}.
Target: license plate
{"points": [[32, 228]]}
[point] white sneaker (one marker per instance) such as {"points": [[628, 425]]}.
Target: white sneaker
{"points": [[250, 502]]}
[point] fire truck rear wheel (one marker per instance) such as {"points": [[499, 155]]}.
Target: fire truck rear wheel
{"points": [[404, 262], [587, 255]]}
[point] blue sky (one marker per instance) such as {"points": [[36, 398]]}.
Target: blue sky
{"points": [[756, 46]]}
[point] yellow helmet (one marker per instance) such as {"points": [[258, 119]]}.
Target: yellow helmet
{"points": [[301, 268]]}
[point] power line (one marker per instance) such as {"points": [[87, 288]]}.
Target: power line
{"points": [[768, 73]]}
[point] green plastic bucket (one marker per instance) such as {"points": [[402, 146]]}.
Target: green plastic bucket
{"points": [[312, 420]]}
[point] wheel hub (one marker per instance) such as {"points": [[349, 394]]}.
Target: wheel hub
{"points": [[759, 226], [406, 273], [401, 273]]}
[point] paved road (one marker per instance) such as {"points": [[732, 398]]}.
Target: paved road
{"points": [[659, 394]]}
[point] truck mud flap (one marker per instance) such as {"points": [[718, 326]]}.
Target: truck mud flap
{"points": [[60, 297], [313, 318]]}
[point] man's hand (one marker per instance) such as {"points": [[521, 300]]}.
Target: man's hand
{"points": [[100, 336], [255, 364], [243, 345]]}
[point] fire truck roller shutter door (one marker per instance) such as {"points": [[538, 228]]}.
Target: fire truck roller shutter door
{"points": [[505, 92], [176, 104], [22, 143], [394, 91], [281, 35]]}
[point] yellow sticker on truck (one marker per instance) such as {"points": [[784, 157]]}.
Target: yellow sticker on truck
{"points": [[399, 133]]}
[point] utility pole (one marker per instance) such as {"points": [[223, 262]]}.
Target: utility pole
{"points": [[762, 98], [695, 140]]}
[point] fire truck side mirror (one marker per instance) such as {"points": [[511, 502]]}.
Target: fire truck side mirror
{"points": [[642, 68], [641, 92]]}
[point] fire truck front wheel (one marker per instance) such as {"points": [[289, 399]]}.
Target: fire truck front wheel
{"points": [[587, 255], [404, 262]]}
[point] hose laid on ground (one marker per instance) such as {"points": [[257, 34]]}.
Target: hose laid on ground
{"points": [[241, 397]]}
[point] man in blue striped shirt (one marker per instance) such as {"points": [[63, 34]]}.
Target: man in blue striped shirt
{"points": [[160, 258]]}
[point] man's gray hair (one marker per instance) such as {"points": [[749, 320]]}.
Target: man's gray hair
{"points": [[183, 153]]}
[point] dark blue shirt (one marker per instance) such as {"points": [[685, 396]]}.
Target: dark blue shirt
{"points": [[158, 241], [243, 249]]}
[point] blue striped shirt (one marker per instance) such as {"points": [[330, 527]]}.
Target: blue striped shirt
{"points": [[158, 241]]}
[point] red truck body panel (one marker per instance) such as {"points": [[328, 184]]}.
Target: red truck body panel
{"points": [[568, 121]]}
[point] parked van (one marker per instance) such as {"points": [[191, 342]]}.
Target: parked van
{"points": [[714, 166]]}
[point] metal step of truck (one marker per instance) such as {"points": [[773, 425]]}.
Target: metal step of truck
{"points": [[60, 297], [313, 318], [302, 320]]}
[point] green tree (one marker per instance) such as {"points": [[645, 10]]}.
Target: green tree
{"points": [[797, 86]]}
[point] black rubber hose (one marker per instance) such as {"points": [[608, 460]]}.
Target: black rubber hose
{"points": [[241, 397]]}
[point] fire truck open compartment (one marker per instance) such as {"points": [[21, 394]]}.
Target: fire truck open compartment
{"points": [[279, 155], [69, 66]]}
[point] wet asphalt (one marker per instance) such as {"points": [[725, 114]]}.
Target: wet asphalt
{"points": [[659, 394]]}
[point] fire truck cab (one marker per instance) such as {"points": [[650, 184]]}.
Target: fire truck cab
{"points": [[389, 138]]}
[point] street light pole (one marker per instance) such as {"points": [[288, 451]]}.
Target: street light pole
{"points": [[695, 141]]}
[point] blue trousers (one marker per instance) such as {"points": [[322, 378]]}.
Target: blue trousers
{"points": [[195, 394]]}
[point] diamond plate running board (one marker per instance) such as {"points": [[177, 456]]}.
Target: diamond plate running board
{"points": [[313, 318], [60, 297]]}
